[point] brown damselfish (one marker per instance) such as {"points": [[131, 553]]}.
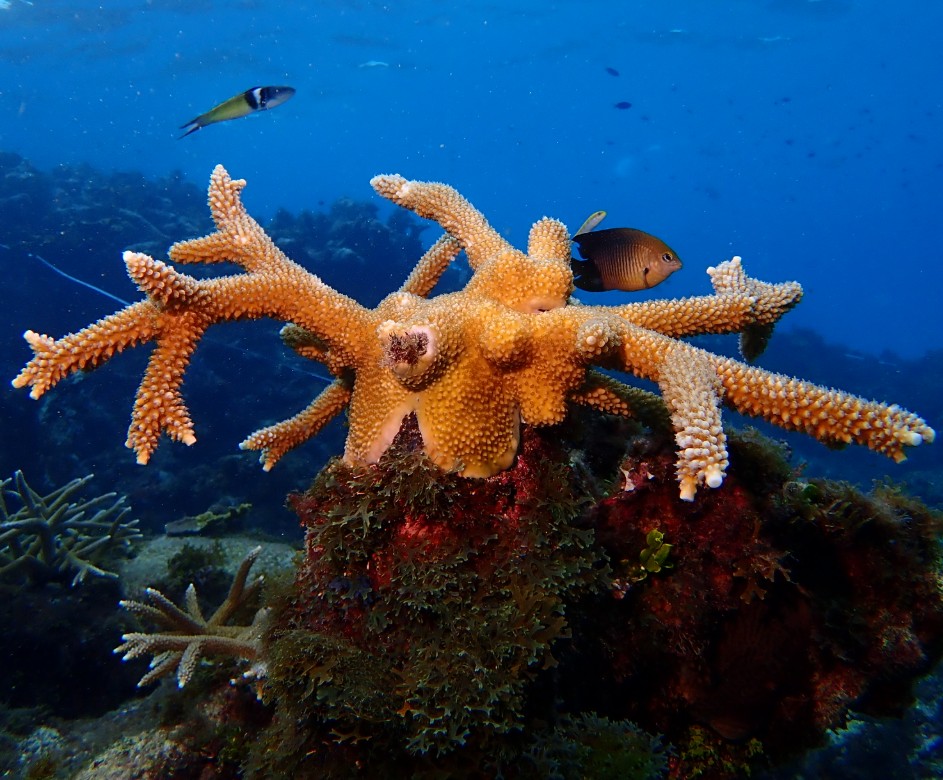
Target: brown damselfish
{"points": [[621, 259]]}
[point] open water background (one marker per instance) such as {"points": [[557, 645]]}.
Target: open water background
{"points": [[804, 135]]}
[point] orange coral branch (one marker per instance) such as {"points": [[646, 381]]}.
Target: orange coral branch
{"points": [[275, 440], [471, 365]]}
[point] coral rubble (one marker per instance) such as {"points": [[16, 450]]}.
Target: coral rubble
{"points": [[471, 365]]}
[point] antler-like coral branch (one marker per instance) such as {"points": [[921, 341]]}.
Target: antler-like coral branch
{"points": [[446, 206], [471, 365], [55, 535], [187, 636], [739, 302], [694, 382], [180, 308]]}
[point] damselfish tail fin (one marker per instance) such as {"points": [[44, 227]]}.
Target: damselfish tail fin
{"points": [[586, 275]]}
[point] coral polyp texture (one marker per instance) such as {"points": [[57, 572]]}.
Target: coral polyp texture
{"points": [[511, 347]]}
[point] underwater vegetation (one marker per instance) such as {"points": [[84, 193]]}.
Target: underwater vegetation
{"points": [[790, 601], [439, 626]]}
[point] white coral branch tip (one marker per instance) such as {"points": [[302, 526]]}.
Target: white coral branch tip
{"points": [[713, 476]]}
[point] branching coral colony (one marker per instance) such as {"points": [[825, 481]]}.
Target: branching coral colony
{"points": [[509, 348], [184, 636], [58, 536]]}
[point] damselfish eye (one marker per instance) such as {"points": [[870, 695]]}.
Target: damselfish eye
{"points": [[667, 257]]}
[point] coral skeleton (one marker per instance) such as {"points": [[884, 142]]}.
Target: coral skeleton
{"points": [[54, 536], [186, 636], [511, 347]]}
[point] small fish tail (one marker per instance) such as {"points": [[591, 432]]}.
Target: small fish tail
{"points": [[586, 275], [193, 126]]}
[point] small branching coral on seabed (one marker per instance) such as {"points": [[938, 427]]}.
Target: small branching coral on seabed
{"points": [[187, 636], [55, 536]]}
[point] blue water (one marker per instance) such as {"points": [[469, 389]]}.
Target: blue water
{"points": [[804, 135]]}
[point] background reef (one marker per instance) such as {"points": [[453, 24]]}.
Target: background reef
{"points": [[569, 617], [81, 220]]}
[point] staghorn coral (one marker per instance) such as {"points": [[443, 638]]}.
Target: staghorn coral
{"points": [[55, 536], [471, 365], [187, 636]]}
